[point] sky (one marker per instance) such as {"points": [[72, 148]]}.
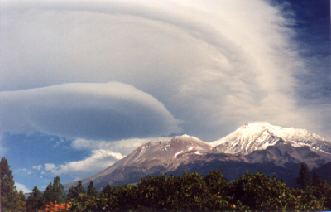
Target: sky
{"points": [[83, 83]]}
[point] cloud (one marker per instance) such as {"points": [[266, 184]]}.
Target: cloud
{"points": [[21, 187], [124, 146], [25, 171], [212, 64], [50, 167], [96, 161], [103, 153], [37, 167], [92, 110]]}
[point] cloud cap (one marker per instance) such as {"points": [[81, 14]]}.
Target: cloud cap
{"points": [[91, 110]]}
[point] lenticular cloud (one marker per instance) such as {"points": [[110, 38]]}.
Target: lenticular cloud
{"points": [[91, 110], [212, 64]]}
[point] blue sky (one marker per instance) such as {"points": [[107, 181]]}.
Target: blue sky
{"points": [[81, 85], [27, 151]]}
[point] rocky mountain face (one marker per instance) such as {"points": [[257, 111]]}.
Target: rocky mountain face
{"points": [[253, 147]]}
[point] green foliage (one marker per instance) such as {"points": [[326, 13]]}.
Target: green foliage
{"points": [[7, 186], [305, 200], [216, 183], [35, 200], [83, 202], [75, 191], [58, 190], [54, 192], [261, 192], [20, 202], [11, 200], [124, 197], [191, 191], [157, 191], [91, 190], [48, 195], [188, 192]]}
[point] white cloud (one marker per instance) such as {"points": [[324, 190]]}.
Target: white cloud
{"points": [[213, 64], [103, 154], [124, 146], [96, 161], [91, 110], [50, 167], [24, 171], [37, 167], [21, 187]]}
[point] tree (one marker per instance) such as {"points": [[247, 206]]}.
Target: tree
{"points": [[304, 178], [260, 192], [216, 182], [54, 192], [58, 190], [218, 190], [308, 199], [75, 191], [120, 197], [193, 191], [48, 195], [11, 200], [35, 200], [20, 202], [8, 191], [91, 190]]}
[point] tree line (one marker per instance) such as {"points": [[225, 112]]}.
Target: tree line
{"points": [[190, 191]]}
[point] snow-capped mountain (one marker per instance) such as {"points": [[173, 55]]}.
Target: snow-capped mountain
{"points": [[252, 147], [166, 153], [152, 157], [260, 135]]}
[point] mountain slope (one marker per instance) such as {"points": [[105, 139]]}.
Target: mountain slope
{"points": [[283, 153], [152, 157], [324, 172]]}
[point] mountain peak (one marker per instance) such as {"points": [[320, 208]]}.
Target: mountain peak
{"points": [[186, 137], [254, 127], [256, 124], [259, 135]]}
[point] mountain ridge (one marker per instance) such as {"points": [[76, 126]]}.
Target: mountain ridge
{"points": [[256, 149]]}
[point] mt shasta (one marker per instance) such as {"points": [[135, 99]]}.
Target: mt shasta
{"points": [[253, 147]]}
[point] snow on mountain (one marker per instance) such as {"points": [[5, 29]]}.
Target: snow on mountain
{"points": [[163, 152], [260, 135], [252, 147]]}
